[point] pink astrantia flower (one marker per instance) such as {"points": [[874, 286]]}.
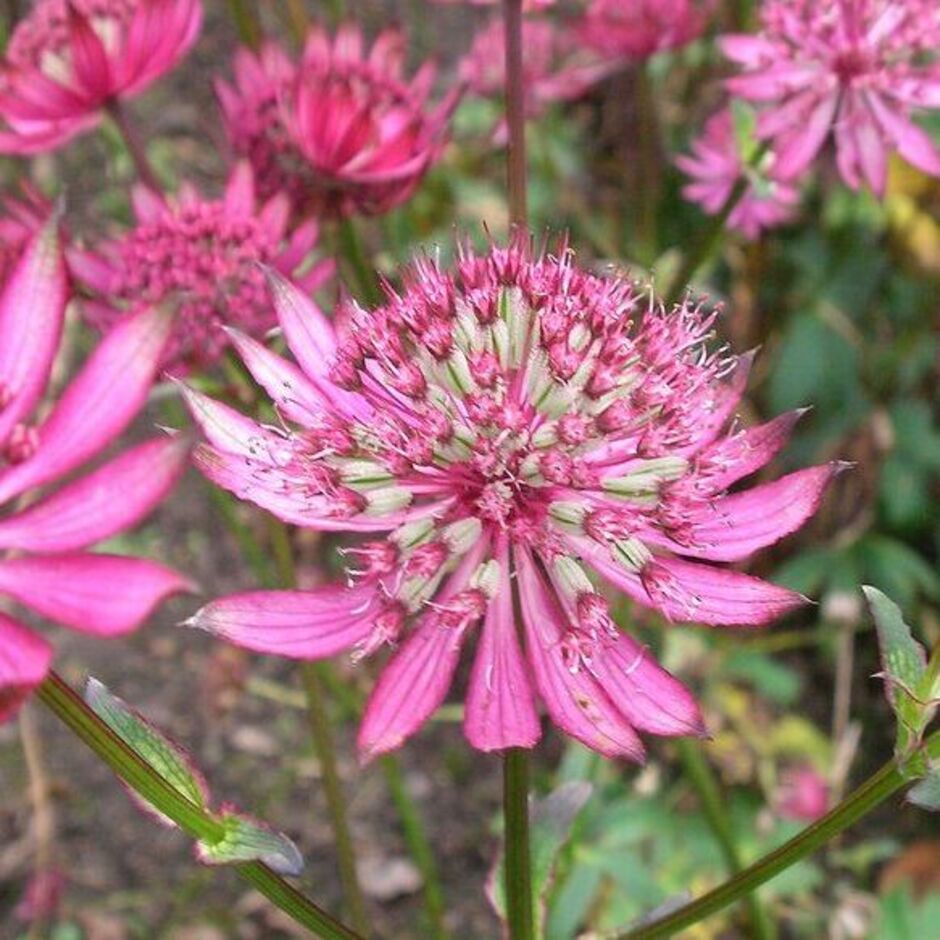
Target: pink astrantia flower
{"points": [[555, 67], [342, 130], [642, 28], [510, 426], [717, 164], [803, 795], [852, 68], [44, 564], [203, 257], [67, 60]]}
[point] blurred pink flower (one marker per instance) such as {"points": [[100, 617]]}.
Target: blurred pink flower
{"points": [[202, 257], [517, 421], [341, 131], [854, 69], [641, 28], [803, 795], [555, 67], [42, 897], [67, 60], [716, 165], [22, 217], [43, 562]]}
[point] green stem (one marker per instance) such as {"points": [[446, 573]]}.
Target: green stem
{"points": [[71, 709], [418, 845], [708, 240], [297, 20], [875, 790], [351, 249], [247, 22], [702, 777], [515, 114], [648, 177], [135, 146], [519, 909], [324, 745]]}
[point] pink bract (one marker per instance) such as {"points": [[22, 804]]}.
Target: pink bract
{"points": [[716, 165], [342, 130], [641, 28], [508, 425], [68, 60], [555, 66], [44, 564], [854, 70], [202, 258]]}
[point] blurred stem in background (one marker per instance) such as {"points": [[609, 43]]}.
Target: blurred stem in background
{"points": [[144, 780], [298, 21], [710, 237], [700, 774], [136, 148], [353, 265], [247, 22], [648, 179]]}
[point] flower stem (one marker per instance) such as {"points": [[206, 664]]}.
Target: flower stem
{"points": [[418, 845], [323, 743], [515, 114], [246, 22], [519, 909], [875, 790], [297, 20], [135, 146], [648, 177], [708, 240], [70, 708], [351, 249], [702, 777], [325, 748]]}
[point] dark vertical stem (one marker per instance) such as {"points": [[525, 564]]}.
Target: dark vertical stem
{"points": [[247, 22], [135, 146], [297, 20], [515, 114], [325, 747], [312, 676], [518, 864], [648, 175]]}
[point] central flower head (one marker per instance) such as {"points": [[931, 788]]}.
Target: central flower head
{"points": [[510, 424]]}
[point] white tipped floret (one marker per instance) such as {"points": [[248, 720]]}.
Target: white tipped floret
{"points": [[571, 577], [413, 534], [647, 477], [568, 513], [487, 578], [386, 500], [462, 535], [631, 554], [363, 474]]}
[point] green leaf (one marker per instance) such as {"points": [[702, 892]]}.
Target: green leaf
{"points": [[550, 824], [904, 665], [926, 793], [167, 759], [247, 840]]}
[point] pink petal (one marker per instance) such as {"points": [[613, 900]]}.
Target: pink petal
{"points": [[312, 340], [736, 526], [913, 143], [686, 591], [415, 681], [240, 190], [298, 624], [112, 499], [106, 595], [24, 661], [575, 701], [296, 397], [797, 148], [104, 398], [649, 697], [90, 65], [32, 309], [500, 709]]}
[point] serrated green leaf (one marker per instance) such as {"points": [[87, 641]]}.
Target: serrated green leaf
{"points": [[167, 759], [926, 793], [904, 664], [247, 840]]}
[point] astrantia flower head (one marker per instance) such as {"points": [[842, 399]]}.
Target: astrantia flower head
{"points": [[719, 159], [68, 59], [342, 131], [555, 66], [43, 562], [856, 69], [641, 28], [506, 428], [203, 257]]}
